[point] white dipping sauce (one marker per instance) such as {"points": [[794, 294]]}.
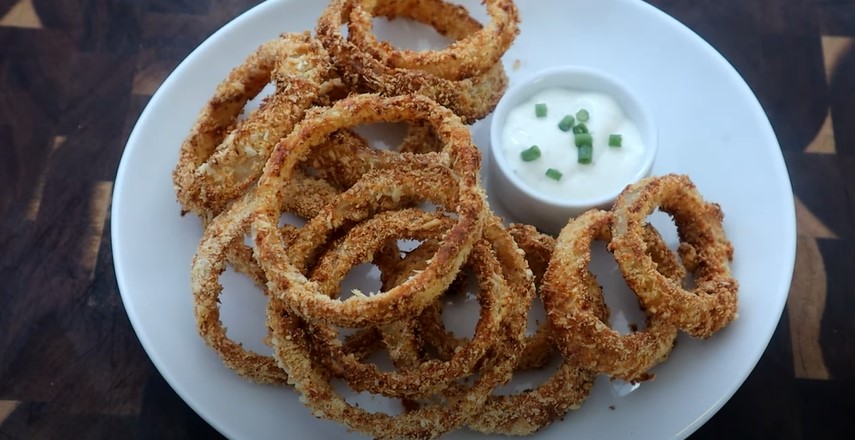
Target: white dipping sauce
{"points": [[612, 167]]}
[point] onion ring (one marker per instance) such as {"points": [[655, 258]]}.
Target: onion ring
{"points": [[429, 377], [471, 98], [583, 335], [539, 348], [222, 243], [286, 279], [217, 164], [292, 349], [346, 156], [470, 55], [292, 345], [528, 411], [713, 303]]}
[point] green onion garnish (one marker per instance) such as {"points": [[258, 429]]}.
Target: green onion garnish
{"points": [[566, 123], [615, 140], [586, 154], [554, 174], [584, 139], [581, 128], [533, 153], [540, 110], [582, 115]]}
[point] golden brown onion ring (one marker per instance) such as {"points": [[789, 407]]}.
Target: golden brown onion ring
{"points": [[217, 164], [222, 243], [473, 53], [346, 156], [583, 335], [471, 98], [461, 195], [539, 348], [707, 252], [530, 410], [292, 345], [426, 378]]}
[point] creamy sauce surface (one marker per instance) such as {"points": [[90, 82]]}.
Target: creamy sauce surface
{"points": [[611, 168]]}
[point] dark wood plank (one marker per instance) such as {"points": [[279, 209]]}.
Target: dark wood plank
{"points": [[838, 17], [837, 323], [22, 169], [824, 413], [165, 416], [195, 7], [111, 26], [36, 67], [52, 420], [768, 390], [842, 90], [67, 15], [793, 89]]}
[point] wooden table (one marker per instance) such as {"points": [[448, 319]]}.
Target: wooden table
{"points": [[75, 75]]}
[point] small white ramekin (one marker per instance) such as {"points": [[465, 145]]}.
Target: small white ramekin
{"points": [[545, 212]]}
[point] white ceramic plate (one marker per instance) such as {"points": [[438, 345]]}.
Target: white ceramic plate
{"points": [[711, 127]]}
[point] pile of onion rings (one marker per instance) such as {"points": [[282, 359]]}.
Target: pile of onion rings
{"points": [[299, 155]]}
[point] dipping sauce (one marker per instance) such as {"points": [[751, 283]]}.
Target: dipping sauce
{"points": [[556, 171]]}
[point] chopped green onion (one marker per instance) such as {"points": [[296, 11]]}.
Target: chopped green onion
{"points": [[582, 115], [566, 123], [581, 128], [584, 139], [540, 110], [586, 154], [554, 174], [530, 154], [615, 140]]}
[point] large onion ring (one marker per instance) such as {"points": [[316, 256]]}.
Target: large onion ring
{"points": [[471, 98], [286, 279], [580, 333], [216, 164], [525, 412], [292, 345], [712, 304], [539, 348], [222, 243], [429, 377], [470, 55]]}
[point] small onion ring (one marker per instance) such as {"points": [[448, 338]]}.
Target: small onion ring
{"points": [[219, 115], [346, 157]]}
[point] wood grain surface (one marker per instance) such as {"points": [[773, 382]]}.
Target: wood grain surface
{"points": [[75, 75]]}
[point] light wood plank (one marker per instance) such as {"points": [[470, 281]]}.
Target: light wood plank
{"points": [[22, 15], [805, 307]]}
